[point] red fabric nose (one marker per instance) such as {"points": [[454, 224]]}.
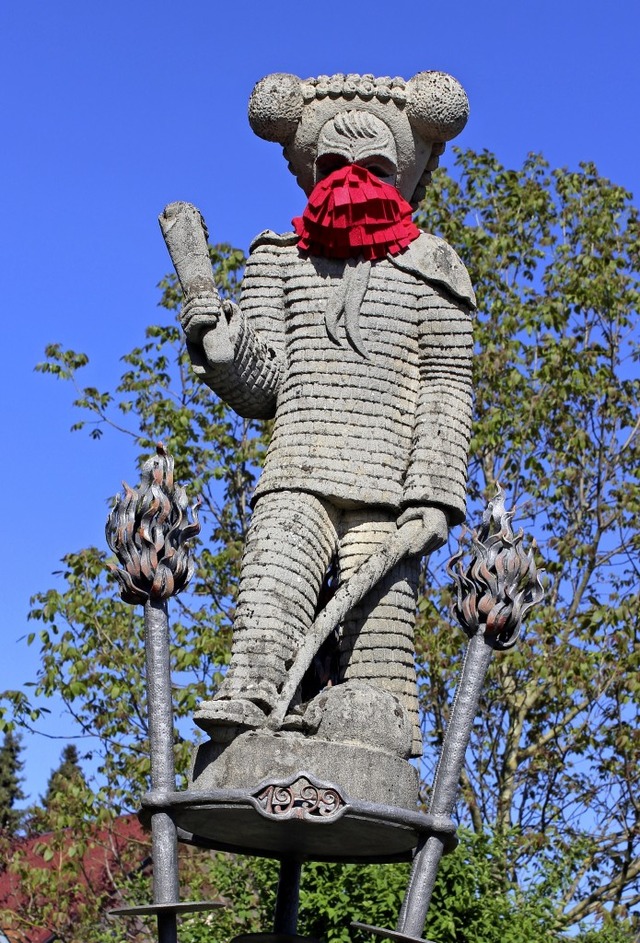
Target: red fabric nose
{"points": [[351, 213]]}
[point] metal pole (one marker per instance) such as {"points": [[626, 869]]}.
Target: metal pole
{"points": [[445, 788], [164, 841], [148, 530], [288, 897], [493, 593]]}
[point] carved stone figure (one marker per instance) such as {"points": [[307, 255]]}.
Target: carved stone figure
{"points": [[354, 333]]}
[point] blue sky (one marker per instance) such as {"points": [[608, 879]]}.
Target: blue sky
{"points": [[110, 111]]}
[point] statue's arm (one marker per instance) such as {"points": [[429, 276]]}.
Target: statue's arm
{"points": [[242, 363], [437, 473]]}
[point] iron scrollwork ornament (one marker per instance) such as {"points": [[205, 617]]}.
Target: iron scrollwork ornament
{"points": [[300, 799]]}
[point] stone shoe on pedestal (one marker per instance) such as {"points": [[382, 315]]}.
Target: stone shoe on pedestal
{"points": [[225, 719], [355, 712]]}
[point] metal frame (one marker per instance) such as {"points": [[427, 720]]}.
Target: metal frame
{"points": [[292, 819]]}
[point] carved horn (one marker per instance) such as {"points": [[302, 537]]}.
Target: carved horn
{"points": [[437, 105], [275, 107]]}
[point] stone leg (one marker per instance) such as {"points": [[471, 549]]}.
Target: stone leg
{"points": [[291, 541], [377, 639]]}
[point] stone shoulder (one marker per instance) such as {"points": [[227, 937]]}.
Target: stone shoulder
{"points": [[428, 258], [270, 238], [433, 260]]}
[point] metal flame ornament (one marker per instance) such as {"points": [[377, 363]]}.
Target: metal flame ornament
{"points": [[501, 584], [148, 529], [492, 594]]}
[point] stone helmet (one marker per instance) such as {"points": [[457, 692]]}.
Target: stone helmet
{"points": [[422, 114]]}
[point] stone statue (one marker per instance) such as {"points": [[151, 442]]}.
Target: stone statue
{"points": [[354, 333]]}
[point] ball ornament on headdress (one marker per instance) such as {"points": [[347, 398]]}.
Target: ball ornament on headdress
{"points": [[437, 106], [275, 107]]}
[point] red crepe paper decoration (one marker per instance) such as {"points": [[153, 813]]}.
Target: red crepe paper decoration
{"points": [[353, 213]]}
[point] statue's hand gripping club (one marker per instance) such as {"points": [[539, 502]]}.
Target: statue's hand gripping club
{"points": [[202, 316], [429, 528]]}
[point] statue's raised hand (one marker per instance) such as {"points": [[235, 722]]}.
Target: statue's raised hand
{"points": [[200, 312]]}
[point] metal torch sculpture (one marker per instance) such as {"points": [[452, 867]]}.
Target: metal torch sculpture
{"points": [[148, 529], [492, 595]]}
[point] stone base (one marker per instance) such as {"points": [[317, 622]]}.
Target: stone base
{"points": [[258, 756]]}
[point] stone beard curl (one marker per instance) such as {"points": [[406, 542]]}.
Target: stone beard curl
{"points": [[349, 294]]}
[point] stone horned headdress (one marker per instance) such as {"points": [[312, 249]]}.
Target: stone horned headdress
{"points": [[422, 115]]}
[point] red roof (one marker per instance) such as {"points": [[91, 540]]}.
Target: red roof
{"points": [[105, 852]]}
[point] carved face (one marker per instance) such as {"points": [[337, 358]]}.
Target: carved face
{"points": [[356, 137]]}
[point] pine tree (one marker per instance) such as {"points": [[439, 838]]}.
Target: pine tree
{"points": [[69, 772], [65, 783], [10, 789]]}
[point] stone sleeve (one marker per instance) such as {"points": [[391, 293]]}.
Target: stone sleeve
{"points": [[437, 472], [250, 381]]}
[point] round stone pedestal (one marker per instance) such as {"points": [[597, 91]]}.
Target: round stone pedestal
{"points": [[359, 772], [286, 795]]}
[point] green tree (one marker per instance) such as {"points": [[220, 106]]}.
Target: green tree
{"points": [[71, 861], [11, 792], [67, 774], [67, 790], [466, 904], [554, 756], [550, 788], [92, 643]]}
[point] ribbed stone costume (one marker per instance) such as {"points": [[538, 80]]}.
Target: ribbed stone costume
{"points": [[355, 441], [359, 436]]}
